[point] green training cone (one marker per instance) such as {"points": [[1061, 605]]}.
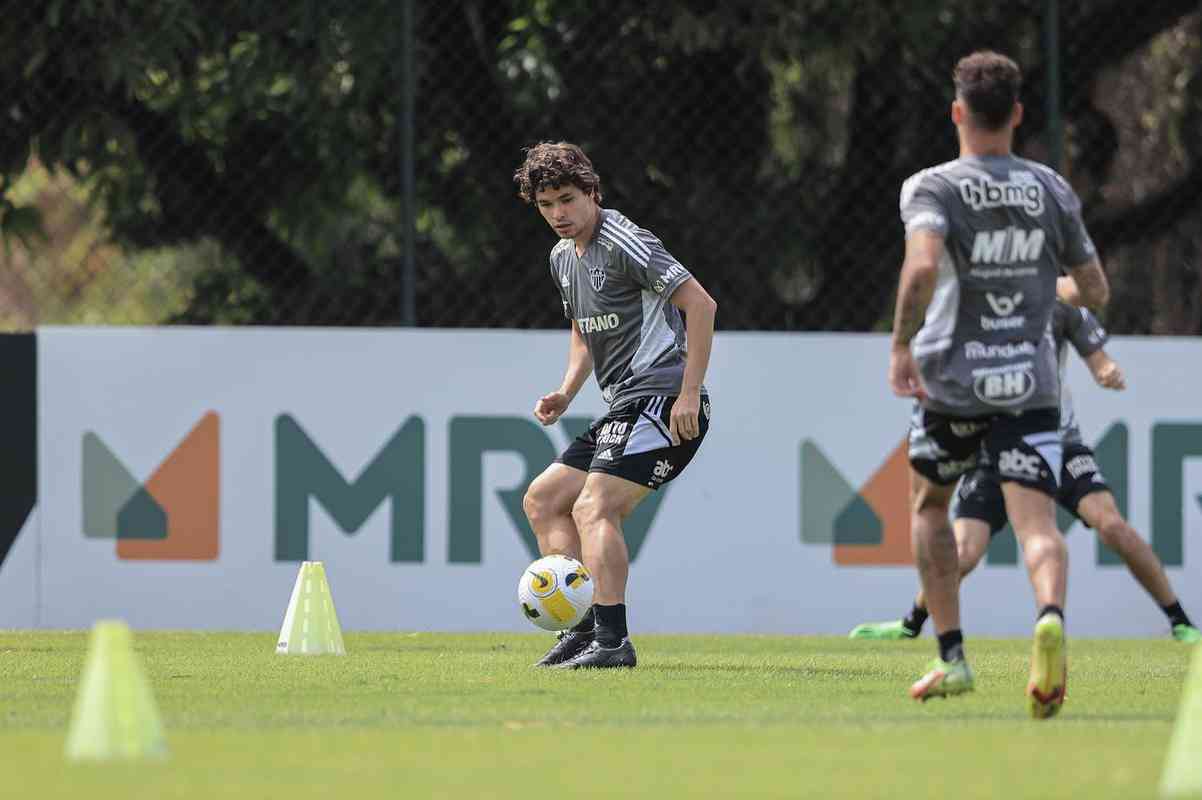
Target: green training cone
{"points": [[1183, 769], [311, 624], [115, 717]]}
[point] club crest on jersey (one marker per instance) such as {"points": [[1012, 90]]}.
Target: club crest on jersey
{"points": [[596, 276]]}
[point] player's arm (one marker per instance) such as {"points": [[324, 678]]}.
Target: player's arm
{"points": [[1085, 286], [920, 270], [1067, 292], [1105, 370], [699, 312], [550, 406]]}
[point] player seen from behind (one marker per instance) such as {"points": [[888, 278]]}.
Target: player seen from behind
{"points": [[987, 236], [980, 512]]}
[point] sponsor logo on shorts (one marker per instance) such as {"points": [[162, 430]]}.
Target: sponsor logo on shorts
{"points": [[663, 468], [952, 469], [975, 351], [1017, 464], [1004, 386], [965, 429], [1082, 465], [612, 433], [598, 323], [605, 455]]}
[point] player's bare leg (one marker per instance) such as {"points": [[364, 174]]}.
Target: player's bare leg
{"points": [[972, 540], [1102, 514], [599, 510], [548, 506], [934, 546], [1032, 513]]}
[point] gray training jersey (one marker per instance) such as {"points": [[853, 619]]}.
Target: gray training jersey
{"points": [[1081, 329], [617, 293], [1009, 225]]}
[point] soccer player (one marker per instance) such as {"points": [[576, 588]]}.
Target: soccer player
{"points": [[980, 513], [625, 295], [987, 236]]}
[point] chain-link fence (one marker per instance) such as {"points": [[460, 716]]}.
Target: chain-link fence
{"points": [[245, 162]]}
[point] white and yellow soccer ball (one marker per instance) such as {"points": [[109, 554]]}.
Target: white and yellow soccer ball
{"points": [[555, 592]]}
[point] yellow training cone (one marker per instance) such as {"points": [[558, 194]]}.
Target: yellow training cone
{"points": [[311, 623], [1183, 770], [115, 715]]}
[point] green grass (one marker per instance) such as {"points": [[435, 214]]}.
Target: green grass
{"points": [[439, 715]]}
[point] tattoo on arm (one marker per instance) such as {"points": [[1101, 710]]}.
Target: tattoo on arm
{"points": [[1092, 285], [912, 300]]}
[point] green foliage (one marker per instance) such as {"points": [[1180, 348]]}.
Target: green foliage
{"points": [[263, 139]]}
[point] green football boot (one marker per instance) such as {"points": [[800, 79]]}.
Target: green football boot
{"points": [[943, 679], [1049, 668], [882, 630], [1187, 633]]}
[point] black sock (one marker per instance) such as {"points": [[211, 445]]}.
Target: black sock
{"points": [[611, 624], [1176, 614], [916, 619], [1057, 610], [951, 645], [587, 622]]}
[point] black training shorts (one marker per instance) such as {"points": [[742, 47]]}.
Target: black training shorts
{"points": [[633, 442]]}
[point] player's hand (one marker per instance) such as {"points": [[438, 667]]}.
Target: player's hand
{"points": [[1109, 376], [903, 374], [550, 407], [684, 424]]}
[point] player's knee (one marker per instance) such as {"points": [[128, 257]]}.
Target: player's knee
{"points": [[1047, 545], [539, 503], [1114, 531], [969, 555]]}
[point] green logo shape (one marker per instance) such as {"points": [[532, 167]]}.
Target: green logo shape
{"points": [[114, 502], [396, 474], [832, 511]]}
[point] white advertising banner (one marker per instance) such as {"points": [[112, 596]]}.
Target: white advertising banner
{"points": [[185, 473]]}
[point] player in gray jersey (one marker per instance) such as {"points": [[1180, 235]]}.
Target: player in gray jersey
{"points": [[980, 512], [624, 295], [987, 236]]}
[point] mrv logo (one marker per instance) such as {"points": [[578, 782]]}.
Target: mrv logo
{"points": [[1021, 191], [1007, 246], [870, 526], [396, 476]]}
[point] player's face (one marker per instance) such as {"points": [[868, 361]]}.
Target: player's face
{"points": [[569, 211]]}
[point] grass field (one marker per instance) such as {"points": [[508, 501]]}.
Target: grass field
{"points": [[465, 716]]}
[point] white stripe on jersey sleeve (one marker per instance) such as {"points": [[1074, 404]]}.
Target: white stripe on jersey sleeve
{"points": [[640, 254], [628, 235]]}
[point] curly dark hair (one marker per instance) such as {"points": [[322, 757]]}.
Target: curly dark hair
{"points": [[989, 84], [550, 165]]}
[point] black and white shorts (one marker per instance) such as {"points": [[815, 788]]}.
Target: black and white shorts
{"points": [[633, 442], [980, 493], [1024, 448]]}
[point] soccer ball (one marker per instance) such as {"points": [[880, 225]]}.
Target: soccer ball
{"points": [[555, 592]]}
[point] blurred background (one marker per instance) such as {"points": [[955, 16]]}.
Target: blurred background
{"points": [[327, 162]]}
